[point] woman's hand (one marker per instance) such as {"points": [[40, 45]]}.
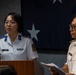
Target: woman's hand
{"points": [[69, 74], [53, 71]]}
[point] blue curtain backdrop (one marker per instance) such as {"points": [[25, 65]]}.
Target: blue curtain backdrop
{"points": [[47, 22]]}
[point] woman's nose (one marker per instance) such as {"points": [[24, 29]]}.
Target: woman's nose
{"points": [[71, 29], [9, 24]]}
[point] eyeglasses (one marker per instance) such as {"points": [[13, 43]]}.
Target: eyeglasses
{"points": [[72, 26]]}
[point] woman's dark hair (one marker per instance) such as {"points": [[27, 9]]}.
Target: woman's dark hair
{"points": [[17, 17], [7, 70], [72, 17]]}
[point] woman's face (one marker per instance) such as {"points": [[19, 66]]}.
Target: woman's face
{"points": [[11, 25], [73, 28]]}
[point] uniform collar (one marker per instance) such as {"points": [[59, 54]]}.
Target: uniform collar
{"points": [[18, 37], [73, 40], [5, 37]]}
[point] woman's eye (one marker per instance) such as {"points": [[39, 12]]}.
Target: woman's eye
{"points": [[6, 22], [13, 22], [10, 22]]}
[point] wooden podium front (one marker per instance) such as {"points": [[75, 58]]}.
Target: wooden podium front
{"points": [[25, 67]]}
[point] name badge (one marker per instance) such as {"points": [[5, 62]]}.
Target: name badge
{"points": [[5, 49], [70, 54], [20, 49]]}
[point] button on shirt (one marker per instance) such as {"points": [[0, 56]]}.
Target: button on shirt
{"points": [[20, 49], [71, 58]]}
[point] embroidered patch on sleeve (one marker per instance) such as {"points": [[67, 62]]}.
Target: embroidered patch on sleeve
{"points": [[33, 47]]}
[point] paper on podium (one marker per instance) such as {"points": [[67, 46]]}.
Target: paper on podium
{"points": [[55, 67]]}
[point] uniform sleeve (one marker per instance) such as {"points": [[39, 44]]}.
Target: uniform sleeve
{"points": [[0, 53], [31, 50], [66, 63], [74, 65]]}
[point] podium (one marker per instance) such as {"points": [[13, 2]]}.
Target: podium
{"points": [[25, 67]]}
